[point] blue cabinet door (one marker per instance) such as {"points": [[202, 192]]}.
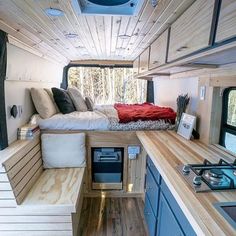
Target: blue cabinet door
{"points": [[181, 218], [167, 224], [154, 170], [149, 217], [152, 191]]}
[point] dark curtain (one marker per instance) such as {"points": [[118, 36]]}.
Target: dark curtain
{"points": [[3, 67], [150, 91], [64, 83]]}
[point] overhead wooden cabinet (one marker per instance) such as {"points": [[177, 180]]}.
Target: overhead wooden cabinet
{"points": [[191, 31], [143, 61], [227, 21], [158, 51], [136, 66]]}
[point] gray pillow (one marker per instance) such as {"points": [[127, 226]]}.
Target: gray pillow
{"points": [[90, 104], [43, 103], [77, 99]]}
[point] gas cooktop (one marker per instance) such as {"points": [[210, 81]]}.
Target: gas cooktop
{"points": [[209, 176]]}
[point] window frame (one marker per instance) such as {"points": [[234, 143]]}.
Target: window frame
{"points": [[64, 83], [226, 128]]}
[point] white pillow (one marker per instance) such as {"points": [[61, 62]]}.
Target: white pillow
{"points": [[43, 103], [63, 150], [77, 99]]}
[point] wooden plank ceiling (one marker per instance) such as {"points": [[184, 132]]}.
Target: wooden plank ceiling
{"points": [[98, 36]]}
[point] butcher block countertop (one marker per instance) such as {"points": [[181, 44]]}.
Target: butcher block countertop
{"points": [[167, 150]]}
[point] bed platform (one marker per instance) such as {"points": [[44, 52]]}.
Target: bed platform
{"points": [[133, 176]]}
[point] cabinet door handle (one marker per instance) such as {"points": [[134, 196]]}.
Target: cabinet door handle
{"points": [[155, 62], [181, 48], [147, 213]]}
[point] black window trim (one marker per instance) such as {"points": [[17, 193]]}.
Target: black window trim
{"points": [[224, 126]]}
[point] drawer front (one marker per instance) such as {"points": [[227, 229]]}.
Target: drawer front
{"points": [[136, 66], [227, 21], [149, 217], [143, 61], [182, 220], [154, 170], [158, 51], [152, 191], [191, 31], [167, 224]]}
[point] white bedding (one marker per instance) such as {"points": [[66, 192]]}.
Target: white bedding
{"points": [[89, 120], [104, 117]]}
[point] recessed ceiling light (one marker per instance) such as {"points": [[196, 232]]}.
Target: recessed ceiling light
{"points": [[54, 12], [124, 36], [71, 35]]}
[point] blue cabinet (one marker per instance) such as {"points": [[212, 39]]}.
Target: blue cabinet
{"points": [[149, 217], [163, 215], [181, 218], [154, 170], [167, 225], [152, 191]]}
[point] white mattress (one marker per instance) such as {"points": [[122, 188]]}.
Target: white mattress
{"points": [[89, 120], [104, 117]]}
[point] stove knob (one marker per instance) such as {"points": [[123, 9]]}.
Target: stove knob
{"points": [[186, 169], [197, 180]]}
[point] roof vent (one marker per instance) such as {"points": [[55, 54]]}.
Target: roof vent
{"points": [[111, 7]]}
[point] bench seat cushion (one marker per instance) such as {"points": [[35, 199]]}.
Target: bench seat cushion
{"points": [[56, 188], [63, 150]]}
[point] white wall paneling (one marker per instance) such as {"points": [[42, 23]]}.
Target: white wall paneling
{"points": [[24, 71], [167, 90]]}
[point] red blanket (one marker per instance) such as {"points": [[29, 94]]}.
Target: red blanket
{"points": [[145, 111]]}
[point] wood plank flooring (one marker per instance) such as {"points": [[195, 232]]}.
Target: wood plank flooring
{"points": [[112, 217]]}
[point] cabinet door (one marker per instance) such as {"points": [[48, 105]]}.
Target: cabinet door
{"points": [[227, 21], [136, 66], [149, 217], [181, 218], [154, 170], [167, 224], [158, 51], [152, 191], [143, 61], [191, 31]]}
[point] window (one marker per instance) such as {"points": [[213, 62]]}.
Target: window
{"points": [[108, 85], [228, 127]]}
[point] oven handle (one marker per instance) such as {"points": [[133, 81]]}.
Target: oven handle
{"points": [[108, 158]]}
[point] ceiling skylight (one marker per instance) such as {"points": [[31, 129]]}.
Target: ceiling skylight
{"points": [[105, 7]]}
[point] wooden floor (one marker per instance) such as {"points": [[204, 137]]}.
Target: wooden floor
{"points": [[112, 217]]}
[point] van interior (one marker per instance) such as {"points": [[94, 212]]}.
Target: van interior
{"points": [[117, 117]]}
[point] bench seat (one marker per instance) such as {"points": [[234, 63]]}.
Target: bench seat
{"points": [[58, 189], [35, 201]]}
